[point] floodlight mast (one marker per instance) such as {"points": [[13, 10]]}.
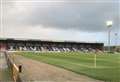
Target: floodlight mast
{"points": [[116, 39], [116, 34], [109, 25]]}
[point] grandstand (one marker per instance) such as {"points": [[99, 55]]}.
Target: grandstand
{"points": [[41, 45]]}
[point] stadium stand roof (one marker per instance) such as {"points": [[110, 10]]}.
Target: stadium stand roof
{"points": [[23, 39]]}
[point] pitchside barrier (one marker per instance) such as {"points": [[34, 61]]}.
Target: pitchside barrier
{"points": [[13, 68]]}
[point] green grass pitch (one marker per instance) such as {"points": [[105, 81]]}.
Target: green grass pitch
{"points": [[102, 66]]}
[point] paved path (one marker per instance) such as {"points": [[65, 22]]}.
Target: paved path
{"points": [[4, 73], [40, 72], [3, 64]]}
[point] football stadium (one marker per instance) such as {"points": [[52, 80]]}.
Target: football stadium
{"points": [[88, 59], [59, 41]]}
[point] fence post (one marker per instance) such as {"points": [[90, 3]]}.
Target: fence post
{"points": [[20, 68]]}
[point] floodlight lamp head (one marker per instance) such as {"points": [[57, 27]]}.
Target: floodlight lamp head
{"points": [[109, 23]]}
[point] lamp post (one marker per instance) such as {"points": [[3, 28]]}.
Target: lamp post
{"points": [[109, 25], [116, 39], [115, 42]]}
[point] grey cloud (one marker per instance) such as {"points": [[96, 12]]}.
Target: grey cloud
{"points": [[84, 16]]}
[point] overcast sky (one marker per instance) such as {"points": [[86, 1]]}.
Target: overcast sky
{"points": [[66, 20]]}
